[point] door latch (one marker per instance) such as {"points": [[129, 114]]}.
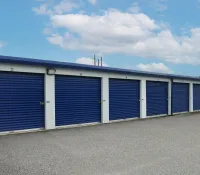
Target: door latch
{"points": [[42, 103]]}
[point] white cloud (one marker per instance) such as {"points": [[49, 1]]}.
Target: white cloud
{"points": [[114, 31], [126, 23], [88, 61], [126, 33], [56, 39], [42, 10], [154, 67], [159, 5], [65, 6], [2, 44], [93, 2], [47, 31], [134, 8], [50, 8]]}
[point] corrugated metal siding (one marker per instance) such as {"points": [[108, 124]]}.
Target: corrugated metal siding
{"points": [[196, 96], [77, 100], [124, 98], [157, 98], [20, 97], [180, 97]]}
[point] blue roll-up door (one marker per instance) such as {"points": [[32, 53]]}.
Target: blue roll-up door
{"points": [[180, 97], [124, 98], [196, 97], [21, 95], [78, 100], [157, 98]]}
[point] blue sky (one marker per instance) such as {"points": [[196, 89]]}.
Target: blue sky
{"points": [[156, 35]]}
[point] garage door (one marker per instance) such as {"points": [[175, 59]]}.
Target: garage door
{"points": [[124, 98], [196, 96], [157, 98], [180, 97], [20, 101], [77, 100]]}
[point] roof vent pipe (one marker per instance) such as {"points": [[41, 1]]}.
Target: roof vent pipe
{"points": [[94, 60]]}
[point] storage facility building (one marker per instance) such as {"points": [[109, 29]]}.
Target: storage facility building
{"points": [[42, 95]]}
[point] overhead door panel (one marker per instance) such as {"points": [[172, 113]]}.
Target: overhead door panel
{"points": [[20, 101], [196, 96], [157, 98], [124, 98], [78, 100], [180, 97]]}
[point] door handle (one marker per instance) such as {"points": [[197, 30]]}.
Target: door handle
{"points": [[42, 103]]}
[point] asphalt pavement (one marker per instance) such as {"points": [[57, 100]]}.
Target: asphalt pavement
{"points": [[161, 146]]}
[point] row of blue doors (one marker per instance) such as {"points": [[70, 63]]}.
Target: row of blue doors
{"points": [[124, 97], [78, 99]]}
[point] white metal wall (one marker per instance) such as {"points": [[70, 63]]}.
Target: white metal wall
{"points": [[50, 89]]}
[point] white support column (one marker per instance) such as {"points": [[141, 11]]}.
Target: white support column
{"points": [[169, 98], [143, 105], [105, 99], [191, 98], [49, 101]]}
